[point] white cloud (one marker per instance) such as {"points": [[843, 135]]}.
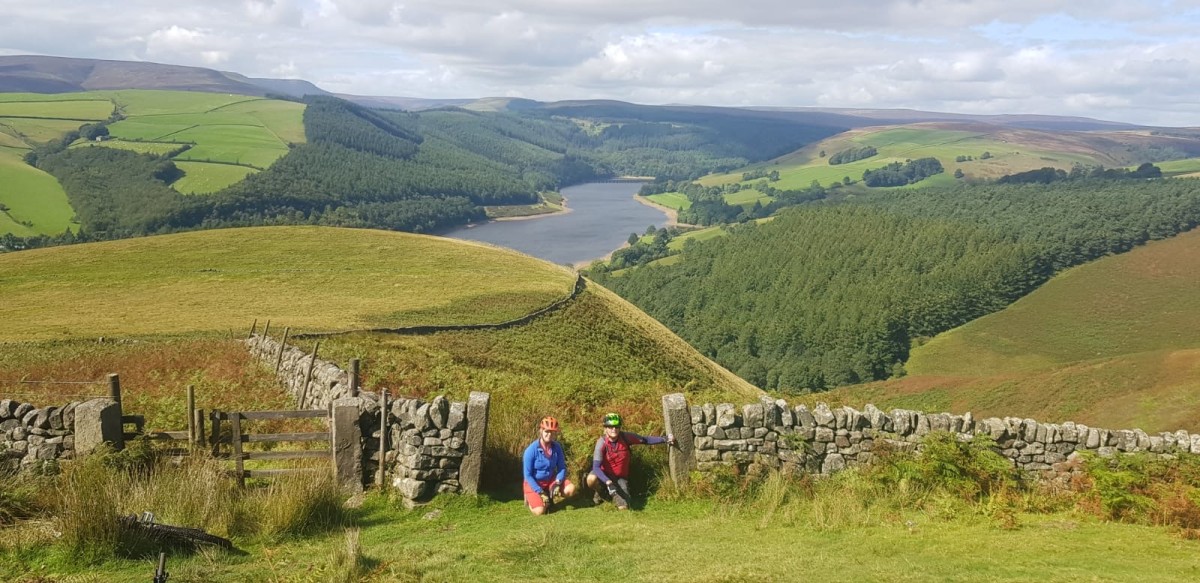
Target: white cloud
{"points": [[1134, 60]]}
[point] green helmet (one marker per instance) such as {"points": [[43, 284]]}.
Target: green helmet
{"points": [[612, 420]]}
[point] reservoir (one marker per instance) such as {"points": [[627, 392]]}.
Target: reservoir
{"points": [[601, 217]]}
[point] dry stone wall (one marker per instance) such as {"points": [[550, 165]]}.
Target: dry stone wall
{"points": [[326, 384], [430, 447], [823, 440], [33, 437]]}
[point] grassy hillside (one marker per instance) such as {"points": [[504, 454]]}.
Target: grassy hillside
{"points": [[1113, 343], [598, 353], [217, 280], [994, 152]]}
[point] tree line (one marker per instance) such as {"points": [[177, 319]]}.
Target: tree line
{"points": [[829, 295]]}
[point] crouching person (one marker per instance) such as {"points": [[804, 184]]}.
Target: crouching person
{"points": [[545, 470], [609, 478]]}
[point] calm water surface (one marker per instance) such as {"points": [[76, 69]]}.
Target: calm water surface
{"points": [[602, 216]]}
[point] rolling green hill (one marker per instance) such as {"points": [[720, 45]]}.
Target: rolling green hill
{"points": [[1112, 343], [212, 281], [981, 151], [171, 303]]}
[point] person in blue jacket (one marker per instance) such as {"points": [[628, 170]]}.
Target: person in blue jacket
{"points": [[545, 469]]}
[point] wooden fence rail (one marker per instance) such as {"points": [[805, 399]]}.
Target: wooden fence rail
{"points": [[238, 436]]}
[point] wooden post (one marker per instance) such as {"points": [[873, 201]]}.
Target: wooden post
{"points": [[199, 428], [267, 329], [235, 420], [354, 364], [282, 345], [191, 414], [383, 431], [253, 326], [114, 387], [216, 433], [308, 375]]}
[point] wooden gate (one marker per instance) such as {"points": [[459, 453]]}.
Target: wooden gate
{"points": [[238, 435]]}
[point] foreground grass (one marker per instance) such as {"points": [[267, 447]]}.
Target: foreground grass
{"points": [[486, 540], [309, 278]]}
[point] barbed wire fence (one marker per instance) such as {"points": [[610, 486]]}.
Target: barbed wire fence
{"points": [[27, 390]]}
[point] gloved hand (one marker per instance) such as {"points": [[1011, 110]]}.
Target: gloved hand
{"points": [[670, 440], [545, 499], [555, 490], [612, 488]]}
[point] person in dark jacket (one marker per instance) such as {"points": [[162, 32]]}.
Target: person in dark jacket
{"points": [[545, 469], [609, 478]]}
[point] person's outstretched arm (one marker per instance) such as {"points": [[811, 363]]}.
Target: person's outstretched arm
{"points": [[648, 439]]}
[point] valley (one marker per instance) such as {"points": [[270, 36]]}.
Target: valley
{"points": [[1018, 267]]}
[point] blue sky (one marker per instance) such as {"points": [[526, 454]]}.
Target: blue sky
{"points": [[1131, 61]]}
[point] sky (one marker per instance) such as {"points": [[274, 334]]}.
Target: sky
{"points": [[1130, 61]]}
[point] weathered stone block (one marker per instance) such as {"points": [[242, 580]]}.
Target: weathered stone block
{"points": [[699, 429], [96, 422], [716, 432], [752, 415], [832, 463], [456, 420], [726, 416], [824, 435], [477, 420], [346, 437], [804, 417], [439, 411], [787, 417], [697, 414], [823, 416], [411, 489]]}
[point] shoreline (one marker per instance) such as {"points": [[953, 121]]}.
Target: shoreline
{"points": [[672, 214], [672, 221], [562, 211]]}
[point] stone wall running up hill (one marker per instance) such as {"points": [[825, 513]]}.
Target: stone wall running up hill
{"points": [[772, 434]]}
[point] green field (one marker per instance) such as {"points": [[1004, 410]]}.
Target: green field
{"points": [[1011, 151], [81, 110], [673, 200], [249, 133], [155, 148], [226, 129], [245, 145], [1113, 343], [203, 178], [1188, 167], [36, 202], [223, 279]]}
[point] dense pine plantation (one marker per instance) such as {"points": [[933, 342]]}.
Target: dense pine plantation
{"points": [[834, 295], [409, 171]]}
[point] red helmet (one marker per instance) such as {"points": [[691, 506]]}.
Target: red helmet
{"points": [[549, 424]]}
